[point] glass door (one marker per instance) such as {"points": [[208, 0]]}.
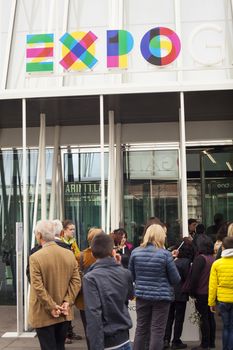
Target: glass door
{"points": [[210, 183], [151, 188]]}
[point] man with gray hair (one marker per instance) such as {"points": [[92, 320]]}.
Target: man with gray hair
{"points": [[55, 283], [57, 232]]}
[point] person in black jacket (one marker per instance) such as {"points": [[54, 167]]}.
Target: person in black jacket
{"points": [[107, 287], [183, 259], [199, 290]]}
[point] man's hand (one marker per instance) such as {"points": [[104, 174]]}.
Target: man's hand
{"points": [[213, 309], [65, 308], [56, 312]]}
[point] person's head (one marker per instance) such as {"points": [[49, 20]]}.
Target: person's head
{"points": [[205, 245], [68, 229], [102, 246], [230, 229], [186, 250], [57, 227], [156, 235], [218, 219], [200, 229], [152, 220], [44, 231], [92, 232], [192, 223], [117, 235], [227, 243], [222, 231], [124, 238]]}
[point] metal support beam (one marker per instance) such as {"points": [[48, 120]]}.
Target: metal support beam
{"points": [[103, 223], [177, 5], [54, 172], [25, 212], [9, 40], [112, 168], [43, 168], [119, 183], [183, 168]]}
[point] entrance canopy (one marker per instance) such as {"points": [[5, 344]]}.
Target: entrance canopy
{"points": [[128, 108]]}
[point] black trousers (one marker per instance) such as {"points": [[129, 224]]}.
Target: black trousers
{"points": [[207, 322], [176, 315], [53, 337]]}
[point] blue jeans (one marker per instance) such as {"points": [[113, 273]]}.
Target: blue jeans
{"points": [[226, 311], [125, 347], [151, 323]]}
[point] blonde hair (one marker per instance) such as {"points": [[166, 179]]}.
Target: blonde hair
{"points": [[156, 235], [230, 230], [93, 232]]}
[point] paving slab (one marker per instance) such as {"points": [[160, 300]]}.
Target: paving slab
{"points": [[8, 324]]}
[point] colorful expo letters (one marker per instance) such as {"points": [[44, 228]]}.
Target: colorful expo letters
{"points": [[159, 46]]}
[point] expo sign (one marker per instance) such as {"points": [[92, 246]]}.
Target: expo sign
{"points": [[160, 46]]}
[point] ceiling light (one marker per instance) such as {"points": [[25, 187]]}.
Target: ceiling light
{"points": [[211, 158], [229, 166]]}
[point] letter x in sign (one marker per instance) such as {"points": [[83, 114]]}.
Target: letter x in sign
{"points": [[78, 50]]}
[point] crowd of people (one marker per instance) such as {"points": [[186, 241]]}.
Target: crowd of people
{"points": [[101, 280]]}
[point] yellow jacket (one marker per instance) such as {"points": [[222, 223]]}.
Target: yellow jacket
{"points": [[221, 279], [73, 244]]}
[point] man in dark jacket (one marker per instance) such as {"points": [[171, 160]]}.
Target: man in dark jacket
{"points": [[107, 288]]}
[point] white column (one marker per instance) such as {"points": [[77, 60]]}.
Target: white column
{"points": [[9, 39], [112, 167], [54, 172], [183, 169], [179, 60], [25, 211], [119, 184], [103, 224], [66, 6], [43, 168], [36, 198], [60, 186]]}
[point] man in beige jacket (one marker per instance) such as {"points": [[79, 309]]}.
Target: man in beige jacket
{"points": [[55, 283]]}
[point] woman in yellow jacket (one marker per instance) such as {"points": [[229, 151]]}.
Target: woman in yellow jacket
{"points": [[221, 291]]}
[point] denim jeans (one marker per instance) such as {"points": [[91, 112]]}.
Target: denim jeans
{"points": [[151, 323], [226, 311], [125, 347]]}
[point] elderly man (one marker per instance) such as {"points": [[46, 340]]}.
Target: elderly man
{"points": [[55, 283]]}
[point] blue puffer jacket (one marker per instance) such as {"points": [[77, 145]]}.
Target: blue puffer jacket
{"points": [[154, 273]]}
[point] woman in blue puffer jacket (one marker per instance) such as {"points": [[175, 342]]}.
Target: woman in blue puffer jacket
{"points": [[154, 273]]}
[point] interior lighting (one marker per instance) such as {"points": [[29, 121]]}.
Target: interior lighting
{"points": [[211, 158], [229, 166]]}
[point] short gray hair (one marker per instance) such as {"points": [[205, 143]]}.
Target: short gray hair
{"points": [[57, 227], [46, 229]]}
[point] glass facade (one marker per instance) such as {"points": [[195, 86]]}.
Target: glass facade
{"points": [[151, 188], [150, 183], [82, 191], [210, 183], [11, 210]]}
